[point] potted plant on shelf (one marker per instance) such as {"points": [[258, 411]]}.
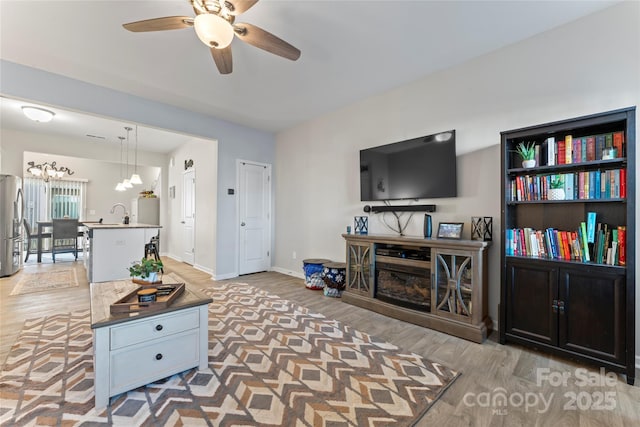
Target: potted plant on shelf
{"points": [[556, 190], [528, 153], [146, 271]]}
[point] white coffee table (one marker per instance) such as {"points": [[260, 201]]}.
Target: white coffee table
{"points": [[131, 350]]}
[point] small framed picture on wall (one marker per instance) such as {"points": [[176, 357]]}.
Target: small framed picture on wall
{"points": [[450, 230]]}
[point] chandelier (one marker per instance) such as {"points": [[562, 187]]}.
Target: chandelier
{"points": [[47, 170]]}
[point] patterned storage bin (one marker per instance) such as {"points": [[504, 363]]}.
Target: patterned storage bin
{"points": [[334, 275], [313, 272]]}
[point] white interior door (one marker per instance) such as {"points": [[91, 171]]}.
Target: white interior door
{"points": [[189, 215], [254, 195]]}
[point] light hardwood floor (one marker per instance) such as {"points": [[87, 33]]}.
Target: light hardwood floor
{"points": [[488, 370]]}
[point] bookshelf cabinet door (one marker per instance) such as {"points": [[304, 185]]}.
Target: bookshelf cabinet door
{"points": [[531, 293], [359, 269], [593, 319]]}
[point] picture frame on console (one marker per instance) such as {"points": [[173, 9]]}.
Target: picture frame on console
{"points": [[450, 230]]}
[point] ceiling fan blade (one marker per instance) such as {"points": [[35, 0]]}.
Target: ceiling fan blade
{"points": [[160, 24], [262, 39], [223, 59], [236, 7]]}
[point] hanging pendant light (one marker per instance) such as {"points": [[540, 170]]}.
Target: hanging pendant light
{"points": [[135, 178], [120, 186], [126, 182]]}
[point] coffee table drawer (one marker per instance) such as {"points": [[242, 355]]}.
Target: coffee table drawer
{"points": [[141, 364], [138, 331]]}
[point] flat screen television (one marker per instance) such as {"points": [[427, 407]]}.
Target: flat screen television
{"points": [[419, 168]]}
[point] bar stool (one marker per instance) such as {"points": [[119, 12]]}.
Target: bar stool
{"points": [[151, 249]]}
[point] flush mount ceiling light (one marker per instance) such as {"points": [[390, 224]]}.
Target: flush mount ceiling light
{"points": [[213, 30], [38, 114]]}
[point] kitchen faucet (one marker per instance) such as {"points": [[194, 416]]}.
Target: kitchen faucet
{"points": [[124, 208]]}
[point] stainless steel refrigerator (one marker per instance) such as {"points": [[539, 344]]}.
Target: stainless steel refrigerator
{"points": [[11, 228]]}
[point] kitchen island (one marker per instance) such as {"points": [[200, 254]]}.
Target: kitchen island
{"points": [[109, 249]]}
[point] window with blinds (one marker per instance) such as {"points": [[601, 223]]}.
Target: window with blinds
{"points": [[54, 199]]}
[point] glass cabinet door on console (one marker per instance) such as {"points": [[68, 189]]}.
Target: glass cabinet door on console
{"points": [[359, 269], [453, 285]]}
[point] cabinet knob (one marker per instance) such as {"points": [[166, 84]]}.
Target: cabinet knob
{"points": [[158, 327], [159, 356]]}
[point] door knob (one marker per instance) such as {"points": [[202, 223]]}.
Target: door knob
{"points": [[242, 224]]}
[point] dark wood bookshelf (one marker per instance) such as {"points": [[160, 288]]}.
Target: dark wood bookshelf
{"points": [[582, 310]]}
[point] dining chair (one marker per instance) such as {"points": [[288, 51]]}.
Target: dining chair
{"points": [[30, 237], [64, 237]]}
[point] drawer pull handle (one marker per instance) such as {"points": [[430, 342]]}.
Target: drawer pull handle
{"points": [[158, 327], [159, 356]]}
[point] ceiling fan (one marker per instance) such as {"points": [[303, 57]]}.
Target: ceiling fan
{"points": [[215, 26]]}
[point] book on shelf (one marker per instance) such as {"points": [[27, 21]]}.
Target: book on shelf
{"points": [[551, 150], [571, 150], [568, 149], [561, 152], [599, 146], [569, 245], [622, 241], [591, 227], [618, 143], [591, 148]]}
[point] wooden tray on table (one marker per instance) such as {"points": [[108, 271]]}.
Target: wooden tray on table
{"points": [[167, 293]]}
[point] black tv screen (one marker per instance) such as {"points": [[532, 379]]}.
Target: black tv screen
{"points": [[419, 168]]}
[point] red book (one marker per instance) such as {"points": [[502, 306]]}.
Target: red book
{"points": [[565, 246], [591, 148], [622, 242], [618, 142], [561, 152], [623, 183], [523, 246]]}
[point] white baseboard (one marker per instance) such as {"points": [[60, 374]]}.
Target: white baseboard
{"points": [[202, 268], [223, 276], [174, 257], [297, 274]]}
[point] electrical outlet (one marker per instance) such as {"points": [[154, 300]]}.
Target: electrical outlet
{"points": [[294, 255]]}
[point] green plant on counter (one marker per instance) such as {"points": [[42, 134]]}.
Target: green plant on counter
{"points": [[145, 267], [526, 150]]}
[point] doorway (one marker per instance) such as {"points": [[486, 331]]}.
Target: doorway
{"points": [[188, 215], [254, 216]]}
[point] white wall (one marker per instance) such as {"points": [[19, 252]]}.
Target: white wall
{"points": [[234, 141], [205, 157], [588, 66], [98, 164], [101, 177]]}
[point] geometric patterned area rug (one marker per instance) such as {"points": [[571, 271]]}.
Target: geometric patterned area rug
{"points": [[271, 362], [38, 282]]}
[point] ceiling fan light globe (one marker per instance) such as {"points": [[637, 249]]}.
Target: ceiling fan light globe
{"points": [[213, 30], [135, 179]]}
